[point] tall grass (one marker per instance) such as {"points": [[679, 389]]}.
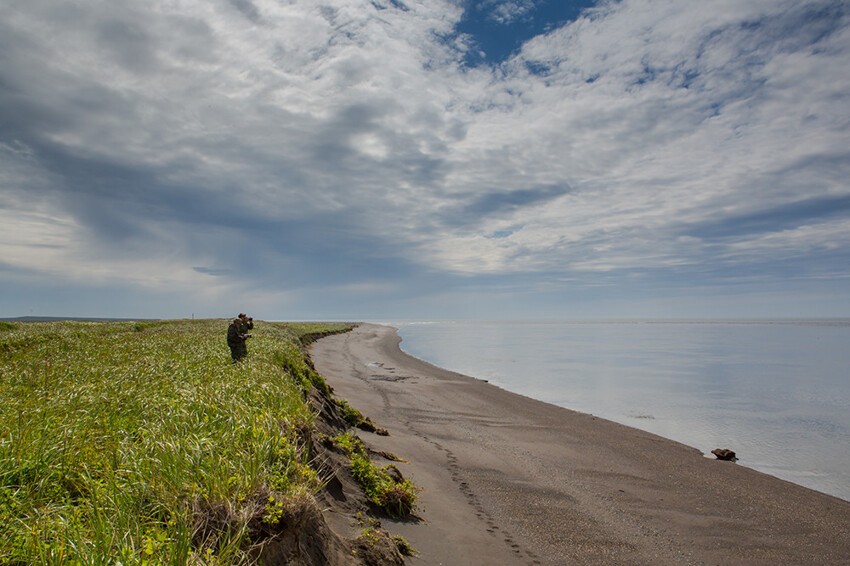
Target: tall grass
{"points": [[141, 443]]}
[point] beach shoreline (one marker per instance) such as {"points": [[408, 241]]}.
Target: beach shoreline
{"points": [[511, 480], [773, 391]]}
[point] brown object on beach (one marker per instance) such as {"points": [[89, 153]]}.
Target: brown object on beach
{"points": [[510, 480], [724, 454]]}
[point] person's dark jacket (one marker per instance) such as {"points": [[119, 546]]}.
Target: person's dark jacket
{"points": [[234, 336]]}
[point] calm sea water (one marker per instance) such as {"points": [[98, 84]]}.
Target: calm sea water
{"points": [[778, 392]]}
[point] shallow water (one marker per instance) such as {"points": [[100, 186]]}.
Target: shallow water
{"points": [[775, 392]]}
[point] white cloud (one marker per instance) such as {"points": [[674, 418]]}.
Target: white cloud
{"points": [[506, 11], [596, 147], [612, 117]]}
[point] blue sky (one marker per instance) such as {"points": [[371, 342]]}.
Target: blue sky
{"points": [[400, 159]]}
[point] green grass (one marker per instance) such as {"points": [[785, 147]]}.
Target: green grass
{"points": [[395, 496], [141, 443]]}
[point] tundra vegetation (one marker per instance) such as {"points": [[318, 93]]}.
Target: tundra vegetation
{"points": [[141, 443], [383, 485]]}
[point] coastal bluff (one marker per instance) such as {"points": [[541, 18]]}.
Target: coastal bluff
{"points": [[510, 480]]}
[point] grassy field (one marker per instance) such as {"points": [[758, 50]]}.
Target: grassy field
{"points": [[140, 443]]}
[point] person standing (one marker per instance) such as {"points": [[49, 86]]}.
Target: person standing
{"points": [[236, 340], [246, 324]]}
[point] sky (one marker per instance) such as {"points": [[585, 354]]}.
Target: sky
{"points": [[425, 159]]}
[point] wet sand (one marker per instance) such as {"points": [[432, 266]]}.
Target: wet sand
{"points": [[510, 480]]}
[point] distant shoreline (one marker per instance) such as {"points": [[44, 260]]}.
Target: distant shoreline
{"points": [[74, 319], [626, 320]]}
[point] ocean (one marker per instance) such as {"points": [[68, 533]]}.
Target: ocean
{"points": [[776, 392]]}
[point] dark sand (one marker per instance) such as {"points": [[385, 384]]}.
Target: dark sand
{"points": [[510, 480]]}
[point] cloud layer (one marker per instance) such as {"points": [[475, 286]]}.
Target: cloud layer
{"points": [[346, 150]]}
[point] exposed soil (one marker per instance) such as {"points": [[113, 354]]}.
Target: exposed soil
{"points": [[338, 527]]}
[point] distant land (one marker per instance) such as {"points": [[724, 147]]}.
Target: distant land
{"points": [[70, 318]]}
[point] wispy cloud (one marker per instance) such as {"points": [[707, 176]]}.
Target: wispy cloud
{"points": [[505, 11], [288, 145]]}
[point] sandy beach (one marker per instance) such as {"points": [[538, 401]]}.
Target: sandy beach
{"points": [[510, 480]]}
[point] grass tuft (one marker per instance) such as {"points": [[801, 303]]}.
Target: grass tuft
{"points": [[403, 546], [384, 486]]}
